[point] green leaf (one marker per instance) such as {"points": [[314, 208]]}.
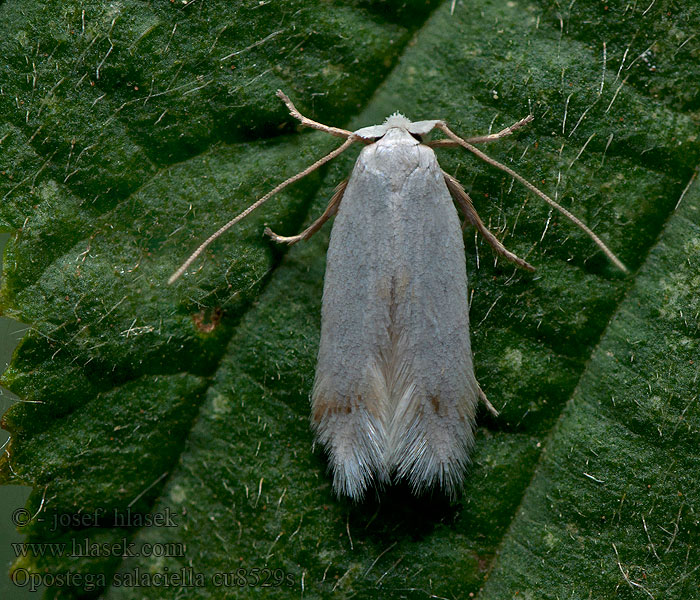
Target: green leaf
{"points": [[132, 130]]}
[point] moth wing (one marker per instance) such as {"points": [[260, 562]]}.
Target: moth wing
{"points": [[395, 392], [435, 392], [350, 400]]}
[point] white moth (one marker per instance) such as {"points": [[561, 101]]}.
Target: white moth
{"points": [[395, 395]]}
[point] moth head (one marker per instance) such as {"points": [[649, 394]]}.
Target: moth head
{"points": [[398, 121]]}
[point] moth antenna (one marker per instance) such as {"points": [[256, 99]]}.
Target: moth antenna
{"points": [[330, 156], [575, 220]]}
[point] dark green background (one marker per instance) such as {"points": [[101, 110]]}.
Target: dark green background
{"points": [[131, 130], [12, 497]]}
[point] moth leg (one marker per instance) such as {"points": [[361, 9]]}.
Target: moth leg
{"points": [[344, 133], [487, 404], [482, 139], [442, 126], [465, 203], [310, 169], [492, 137], [331, 209]]}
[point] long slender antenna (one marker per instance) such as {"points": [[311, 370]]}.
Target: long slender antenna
{"points": [[330, 156], [575, 220]]}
